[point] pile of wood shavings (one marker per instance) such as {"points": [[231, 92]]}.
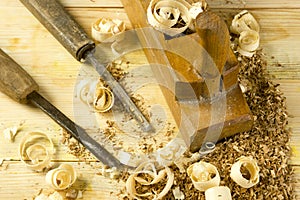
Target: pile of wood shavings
{"points": [[267, 142], [74, 147], [115, 68]]}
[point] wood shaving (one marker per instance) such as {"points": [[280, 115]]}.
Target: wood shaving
{"points": [[147, 175], [204, 175], [245, 25], [62, 177], [178, 195], [248, 43], [105, 28], [252, 169], [172, 17], [36, 150], [11, 132], [243, 21], [111, 173], [103, 99], [218, 192]]}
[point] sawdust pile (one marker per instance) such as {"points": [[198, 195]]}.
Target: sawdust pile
{"points": [[74, 147], [267, 142]]}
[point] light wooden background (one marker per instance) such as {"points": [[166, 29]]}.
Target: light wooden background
{"points": [[29, 43]]}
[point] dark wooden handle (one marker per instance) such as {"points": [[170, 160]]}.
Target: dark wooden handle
{"points": [[214, 32], [61, 25], [15, 82]]}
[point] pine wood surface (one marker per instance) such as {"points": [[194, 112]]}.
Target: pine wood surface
{"points": [[55, 70]]}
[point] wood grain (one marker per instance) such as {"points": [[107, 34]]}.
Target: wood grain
{"points": [[55, 70], [247, 4]]}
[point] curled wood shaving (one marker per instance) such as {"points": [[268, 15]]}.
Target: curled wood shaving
{"points": [[148, 168], [85, 91], [245, 25], [62, 177], [36, 150], [243, 21], [218, 192], [250, 164], [104, 28], [172, 17], [96, 95], [204, 175], [103, 99], [248, 43], [171, 153]]}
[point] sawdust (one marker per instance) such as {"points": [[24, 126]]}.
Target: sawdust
{"points": [[139, 101], [116, 69], [267, 142], [74, 147], [114, 134]]}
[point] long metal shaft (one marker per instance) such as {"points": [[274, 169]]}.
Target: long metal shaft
{"points": [[79, 133], [119, 92]]}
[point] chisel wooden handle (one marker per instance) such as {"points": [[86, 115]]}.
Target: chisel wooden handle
{"points": [[15, 82], [61, 25]]}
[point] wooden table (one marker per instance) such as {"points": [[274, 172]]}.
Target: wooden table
{"points": [[30, 44]]}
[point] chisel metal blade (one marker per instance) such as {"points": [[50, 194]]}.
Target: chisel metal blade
{"points": [[120, 93], [77, 132]]}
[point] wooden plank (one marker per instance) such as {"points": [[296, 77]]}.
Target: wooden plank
{"points": [[55, 70], [291, 89]]}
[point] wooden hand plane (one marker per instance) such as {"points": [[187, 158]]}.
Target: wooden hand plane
{"points": [[205, 98]]}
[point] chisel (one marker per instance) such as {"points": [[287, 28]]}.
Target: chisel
{"points": [[71, 35], [16, 83]]}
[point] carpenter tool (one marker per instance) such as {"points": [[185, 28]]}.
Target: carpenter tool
{"points": [[16, 83], [71, 35], [198, 93]]}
